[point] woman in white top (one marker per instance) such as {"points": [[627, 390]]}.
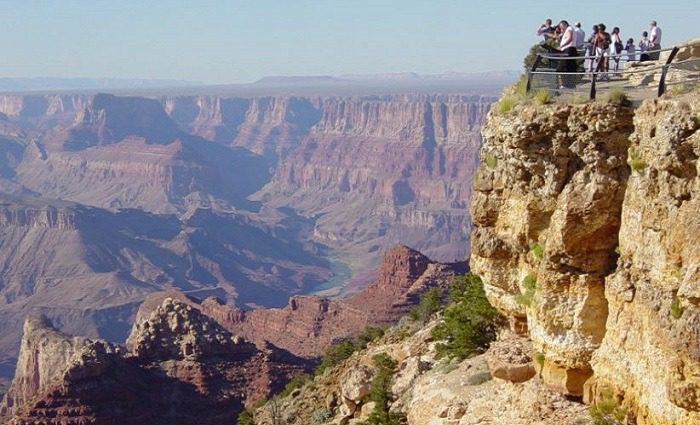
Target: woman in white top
{"points": [[617, 46], [644, 46]]}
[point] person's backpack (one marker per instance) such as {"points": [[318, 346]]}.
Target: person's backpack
{"points": [[618, 47]]}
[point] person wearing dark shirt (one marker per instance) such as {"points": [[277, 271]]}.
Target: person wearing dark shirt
{"points": [[546, 30]]}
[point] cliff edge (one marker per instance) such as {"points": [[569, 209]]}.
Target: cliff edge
{"points": [[586, 235]]}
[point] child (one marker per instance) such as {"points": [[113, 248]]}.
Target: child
{"points": [[644, 45]]}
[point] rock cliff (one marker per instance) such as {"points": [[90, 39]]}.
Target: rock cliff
{"points": [[181, 367], [308, 325], [585, 234]]}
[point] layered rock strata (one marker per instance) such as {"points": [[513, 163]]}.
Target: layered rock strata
{"points": [[309, 324], [650, 356], [586, 237], [546, 208], [181, 367]]}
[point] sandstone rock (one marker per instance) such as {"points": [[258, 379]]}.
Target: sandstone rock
{"points": [[562, 191], [511, 359], [356, 383]]}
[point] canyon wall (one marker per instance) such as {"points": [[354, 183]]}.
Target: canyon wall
{"points": [[586, 237]]}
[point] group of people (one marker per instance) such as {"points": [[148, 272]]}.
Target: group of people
{"points": [[599, 48]]}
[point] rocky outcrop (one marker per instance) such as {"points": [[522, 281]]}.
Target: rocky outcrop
{"points": [[425, 390], [181, 367], [308, 325], [650, 357], [547, 208], [585, 234]]}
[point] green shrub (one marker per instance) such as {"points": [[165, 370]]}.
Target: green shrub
{"points": [[636, 162], [447, 365], [245, 418], [490, 160], [530, 284], [539, 359], [676, 308], [335, 354], [429, 304], [543, 97], [321, 416], [537, 250], [369, 334], [294, 383], [479, 378], [617, 96], [607, 411], [505, 105], [521, 86], [696, 120], [380, 392], [469, 322]]}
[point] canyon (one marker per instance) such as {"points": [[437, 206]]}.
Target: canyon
{"points": [[107, 199]]}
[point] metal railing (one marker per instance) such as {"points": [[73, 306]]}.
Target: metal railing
{"points": [[594, 76]]}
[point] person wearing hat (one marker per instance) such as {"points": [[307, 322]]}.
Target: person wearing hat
{"points": [[654, 40]]}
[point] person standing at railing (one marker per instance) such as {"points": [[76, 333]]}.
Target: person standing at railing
{"points": [[654, 40], [567, 45], [617, 47], [631, 50], [644, 45], [601, 44], [590, 49], [546, 31], [580, 36]]}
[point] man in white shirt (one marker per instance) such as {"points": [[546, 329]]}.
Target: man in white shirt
{"points": [[580, 36], [654, 40], [568, 47]]}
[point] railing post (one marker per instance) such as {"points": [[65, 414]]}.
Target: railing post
{"points": [[593, 91], [664, 71], [535, 64]]}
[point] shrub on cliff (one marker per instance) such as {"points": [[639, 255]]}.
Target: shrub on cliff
{"points": [[294, 383], [369, 334], [469, 323], [336, 353], [245, 418], [429, 304], [380, 392]]}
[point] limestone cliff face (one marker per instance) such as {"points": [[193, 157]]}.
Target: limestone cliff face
{"points": [[651, 351], [586, 237]]}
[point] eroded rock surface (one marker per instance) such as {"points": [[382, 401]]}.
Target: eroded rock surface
{"points": [[182, 367]]}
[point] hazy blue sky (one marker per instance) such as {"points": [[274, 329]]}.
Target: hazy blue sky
{"points": [[240, 41]]}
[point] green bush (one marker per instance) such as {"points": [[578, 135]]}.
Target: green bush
{"points": [[380, 392], [578, 99], [636, 162], [469, 322], [369, 334], [617, 96], [321, 416], [539, 359], [335, 354], [521, 86], [676, 308], [537, 250], [607, 411], [530, 284], [490, 160], [294, 383], [543, 97], [429, 304], [245, 418], [505, 105]]}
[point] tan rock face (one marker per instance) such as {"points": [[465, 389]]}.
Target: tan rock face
{"points": [[546, 211], [651, 350]]}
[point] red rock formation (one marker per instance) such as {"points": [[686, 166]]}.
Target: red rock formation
{"points": [[181, 368], [309, 324]]}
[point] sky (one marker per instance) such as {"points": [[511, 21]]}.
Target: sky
{"points": [[218, 42]]}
